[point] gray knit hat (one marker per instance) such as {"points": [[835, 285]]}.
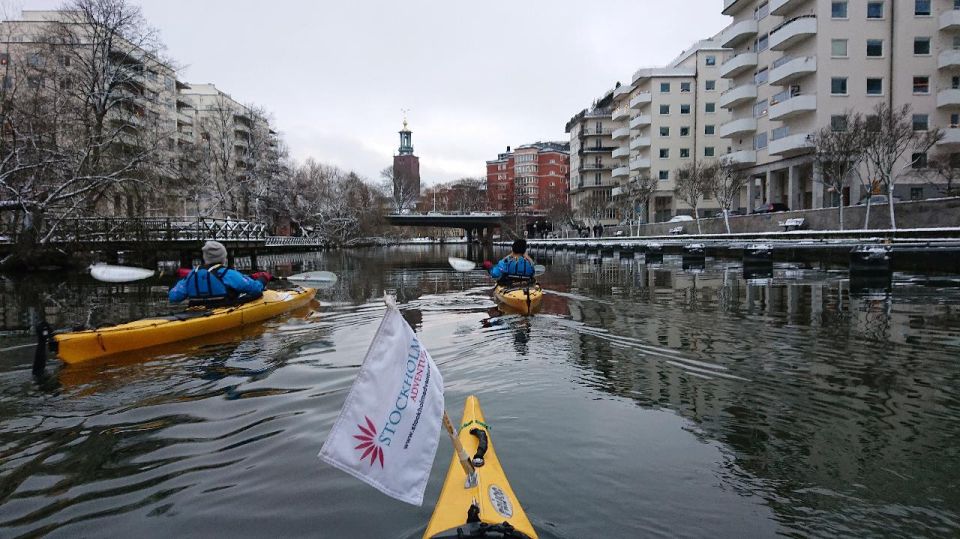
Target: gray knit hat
{"points": [[214, 253]]}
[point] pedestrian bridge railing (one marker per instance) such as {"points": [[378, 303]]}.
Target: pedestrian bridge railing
{"points": [[147, 229]]}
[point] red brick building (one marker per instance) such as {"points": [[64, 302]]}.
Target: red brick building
{"points": [[532, 178]]}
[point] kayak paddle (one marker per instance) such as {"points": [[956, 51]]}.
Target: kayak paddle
{"points": [[119, 274], [314, 278], [461, 264]]}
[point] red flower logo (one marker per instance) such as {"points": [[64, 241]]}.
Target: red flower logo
{"points": [[370, 449]]}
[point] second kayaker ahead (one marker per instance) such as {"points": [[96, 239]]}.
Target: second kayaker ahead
{"points": [[513, 268], [214, 284]]}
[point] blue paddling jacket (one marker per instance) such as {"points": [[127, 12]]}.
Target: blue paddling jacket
{"points": [[513, 267], [215, 283]]}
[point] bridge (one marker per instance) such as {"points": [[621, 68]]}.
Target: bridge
{"points": [[479, 223]]}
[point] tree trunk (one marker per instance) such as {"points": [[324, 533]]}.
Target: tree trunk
{"points": [[866, 220], [841, 210], [726, 219], [696, 215], [893, 216]]}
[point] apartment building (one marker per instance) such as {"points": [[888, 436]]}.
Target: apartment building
{"points": [[591, 156], [674, 120], [797, 64], [533, 178]]}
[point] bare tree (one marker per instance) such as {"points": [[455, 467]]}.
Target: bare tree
{"points": [[403, 191], [890, 135], [839, 150], [468, 195], [726, 185], [593, 206], [694, 180], [636, 195], [947, 168]]}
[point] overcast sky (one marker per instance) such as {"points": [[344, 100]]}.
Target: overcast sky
{"points": [[476, 76]]}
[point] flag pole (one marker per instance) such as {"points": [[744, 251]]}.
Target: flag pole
{"points": [[461, 452]]}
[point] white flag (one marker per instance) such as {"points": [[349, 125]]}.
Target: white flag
{"points": [[389, 427]]}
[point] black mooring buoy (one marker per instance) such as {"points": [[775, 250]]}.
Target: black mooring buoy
{"points": [[40, 354]]}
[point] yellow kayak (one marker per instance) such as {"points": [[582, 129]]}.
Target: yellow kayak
{"points": [[523, 299], [489, 508], [79, 346]]}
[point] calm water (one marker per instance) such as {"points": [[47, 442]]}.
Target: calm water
{"points": [[642, 401]]}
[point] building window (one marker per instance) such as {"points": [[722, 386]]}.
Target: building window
{"points": [[761, 43], [838, 86], [956, 42], [875, 10], [838, 48], [954, 121], [684, 109], [760, 109], [711, 85], [710, 107], [684, 131], [708, 151], [664, 153], [916, 193], [874, 86], [921, 8], [709, 130], [921, 85], [664, 175], [664, 87], [874, 48], [598, 179], [760, 141], [684, 153], [761, 76], [711, 60], [684, 87], [762, 11], [921, 46], [838, 124], [838, 10], [921, 122], [955, 81], [664, 109], [664, 131], [918, 161]]}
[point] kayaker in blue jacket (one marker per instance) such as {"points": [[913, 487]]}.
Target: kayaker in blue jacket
{"points": [[214, 283], [516, 266]]}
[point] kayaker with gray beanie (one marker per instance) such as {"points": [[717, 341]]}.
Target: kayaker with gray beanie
{"points": [[214, 284]]}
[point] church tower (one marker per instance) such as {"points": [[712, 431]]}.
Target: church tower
{"points": [[406, 173]]}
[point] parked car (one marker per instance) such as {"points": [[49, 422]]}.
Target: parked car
{"points": [[876, 200], [681, 219], [719, 214], [771, 208]]}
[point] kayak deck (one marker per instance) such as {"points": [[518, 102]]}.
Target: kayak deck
{"points": [[79, 346], [500, 513], [524, 299]]}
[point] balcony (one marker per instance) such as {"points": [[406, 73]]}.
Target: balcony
{"points": [[788, 69], [597, 149], [621, 113], [738, 32], [622, 90], [621, 172], [640, 163], [742, 126], [732, 6], [735, 96], [783, 7], [641, 100], [948, 59], [640, 142], [640, 121], [790, 145], [622, 151], [788, 106], [948, 98], [950, 20], [595, 167], [738, 64], [951, 138], [623, 132], [793, 32], [743, 157]]}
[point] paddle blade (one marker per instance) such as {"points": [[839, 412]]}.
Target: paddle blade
{"points": [[119, 274], [460, 264], [316, 279], [539, 269]]}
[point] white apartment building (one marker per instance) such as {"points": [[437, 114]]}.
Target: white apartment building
{"points": [[591, 154], [674, 119], [797, 63]]}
